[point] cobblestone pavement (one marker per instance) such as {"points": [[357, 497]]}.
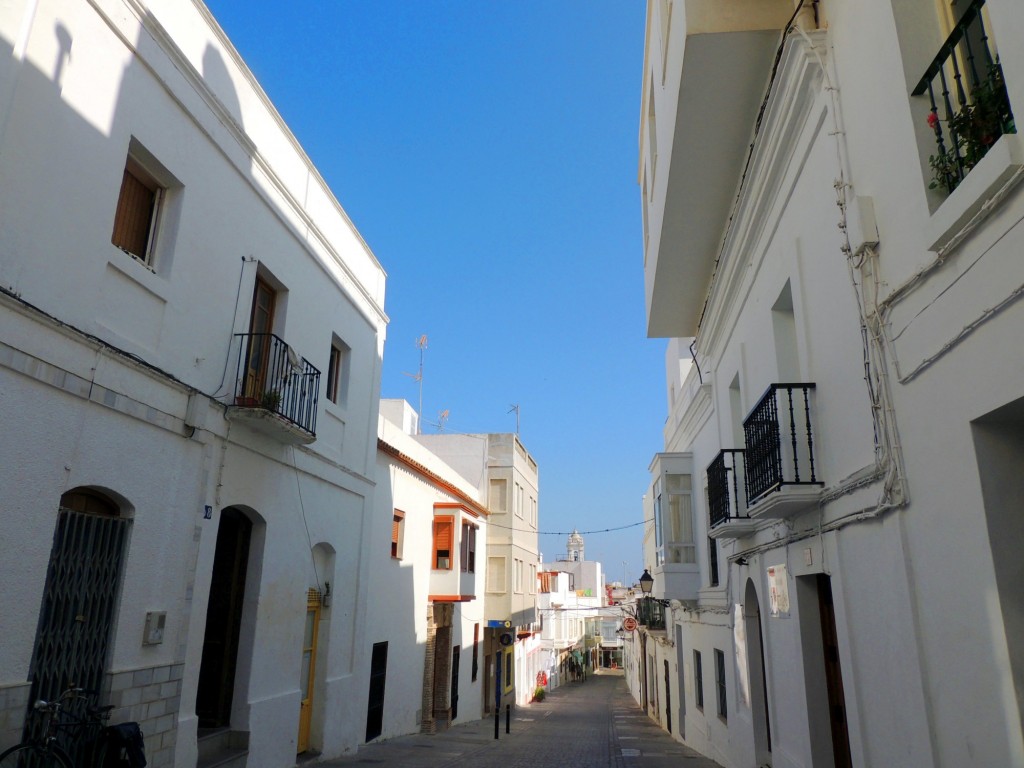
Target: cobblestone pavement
{"points": [[593, 723]]}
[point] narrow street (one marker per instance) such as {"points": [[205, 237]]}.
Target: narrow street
{"points": [[592, 723]]}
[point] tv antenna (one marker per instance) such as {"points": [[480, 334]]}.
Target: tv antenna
{"points": [[515, 407], [442, 417], [421, 342]]}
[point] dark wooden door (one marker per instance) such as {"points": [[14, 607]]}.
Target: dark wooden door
{"points": [[455, 682], [833, 675], [261, 326], [378, 678], [223, 620]]}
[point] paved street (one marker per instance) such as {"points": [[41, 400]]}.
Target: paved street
{"points": [[595, 723]]}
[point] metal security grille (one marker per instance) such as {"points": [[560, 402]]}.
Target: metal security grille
{"points": [[79, 599]]}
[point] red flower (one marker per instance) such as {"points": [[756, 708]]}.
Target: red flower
{"points": [[933, 120]]}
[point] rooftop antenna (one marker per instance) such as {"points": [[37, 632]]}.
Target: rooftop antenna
{"points": [[442, 417], [515, 407], [421, 342]]}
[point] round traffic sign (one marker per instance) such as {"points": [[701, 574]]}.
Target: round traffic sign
{"points": [[629, 624]]}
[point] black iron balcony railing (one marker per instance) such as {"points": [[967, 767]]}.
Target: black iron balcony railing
{"points": [[270, 375], [727, 488], [970, 108], [779, 441], [650, 613]]}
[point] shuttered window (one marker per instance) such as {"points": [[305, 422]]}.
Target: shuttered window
{"points": [[443, 535], [397, 531], [136, 215], [467, 561]]}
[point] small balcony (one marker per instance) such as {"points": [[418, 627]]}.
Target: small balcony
{"points": [[727, 496], [276, 391], [779, 461], [969, 106], [650, 613]]}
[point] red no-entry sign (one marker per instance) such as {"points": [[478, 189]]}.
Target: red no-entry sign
{"points": [[629, 624]]}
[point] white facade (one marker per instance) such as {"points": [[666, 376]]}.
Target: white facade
{"points": [[139, 393], [792, 237], [500, 463], [430, 618]]}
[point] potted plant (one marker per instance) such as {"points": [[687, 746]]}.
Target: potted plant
{"points": [[271, 399]]}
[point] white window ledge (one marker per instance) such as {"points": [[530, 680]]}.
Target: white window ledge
{"points": [[968, 200]]}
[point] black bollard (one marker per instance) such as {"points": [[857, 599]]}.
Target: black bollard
{"points": [[508, 718], [497, 720]]}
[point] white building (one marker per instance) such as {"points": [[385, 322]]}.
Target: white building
{"points": [[500, 463], [425, 611], [836, 500], [191, 332]]}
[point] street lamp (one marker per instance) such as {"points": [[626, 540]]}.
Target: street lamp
{"points": [[646, 582]]}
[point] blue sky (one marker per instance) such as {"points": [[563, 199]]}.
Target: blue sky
{"points": [[487, 153]]}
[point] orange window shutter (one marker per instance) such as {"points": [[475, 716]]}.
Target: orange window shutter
{"points": [[394, 530], [443, 534]]}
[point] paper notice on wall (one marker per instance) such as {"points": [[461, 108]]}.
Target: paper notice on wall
{"points": [[778, 591], [739, 641]]}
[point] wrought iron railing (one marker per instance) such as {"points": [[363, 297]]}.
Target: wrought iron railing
{"points": [[727, 487], [969, 105], [779, 441], [271, 376], [650, 613]]}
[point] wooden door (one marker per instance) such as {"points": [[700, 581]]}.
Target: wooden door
{"points": [[261, 326], [378, 678], [833, 675], [308, 669], [455, 682]]}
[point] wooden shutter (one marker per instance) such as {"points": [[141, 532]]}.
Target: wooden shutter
{"points": [[134, 215], [443, 542], [396, 534]]}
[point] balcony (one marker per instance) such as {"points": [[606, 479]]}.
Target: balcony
{"points": [[727, 496], [650, 613], [781, 479], [276, 391], [969, 106], [720, 56]]}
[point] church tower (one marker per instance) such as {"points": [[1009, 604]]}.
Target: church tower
{"points": [[574, 547]]}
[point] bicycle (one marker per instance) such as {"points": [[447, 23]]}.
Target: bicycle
{"points": [[86, 733]]}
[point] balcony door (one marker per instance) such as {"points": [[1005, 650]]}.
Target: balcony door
{"points": [[261, 325]]}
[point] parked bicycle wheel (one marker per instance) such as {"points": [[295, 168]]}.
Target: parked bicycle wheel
{"points": [[34, 756]]}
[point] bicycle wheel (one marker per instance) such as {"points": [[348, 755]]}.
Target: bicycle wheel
{"points": [[34, 756]]}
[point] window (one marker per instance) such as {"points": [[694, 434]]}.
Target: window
{"points": [[443, 531], [533, 578], [496, 574], [712, 562], [141, 204], [698, 681], [138, 208], [397, 534], [467, 561], [518, 576], [723, 711], [498, 499], [337, 369], [963, 94], [674, 520], [519, 500]]}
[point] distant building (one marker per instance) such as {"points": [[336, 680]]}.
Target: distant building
{"points": [[500, 463], [426, 624]]}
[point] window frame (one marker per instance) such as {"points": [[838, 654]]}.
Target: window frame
{"points": [[397, 534], [467, 547], [698, 680], [441, 524], [720, 685]]}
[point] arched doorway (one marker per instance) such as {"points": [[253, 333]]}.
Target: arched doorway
{"points": [[224, 619], [757, 676], [77, 615]]}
